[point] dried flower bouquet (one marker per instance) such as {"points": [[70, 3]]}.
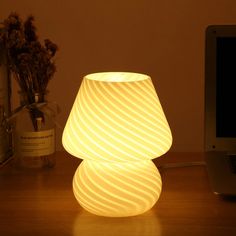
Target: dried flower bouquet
{"points": [[30, 62]]}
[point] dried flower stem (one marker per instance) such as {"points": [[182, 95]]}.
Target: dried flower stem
{"points": [[30, 62]]}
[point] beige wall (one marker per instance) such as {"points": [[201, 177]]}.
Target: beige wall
{"points": [[164, 39]]}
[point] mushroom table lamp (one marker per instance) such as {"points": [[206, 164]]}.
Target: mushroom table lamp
{"points": [[117, 126]]}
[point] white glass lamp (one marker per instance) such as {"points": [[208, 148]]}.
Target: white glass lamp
{"points": [[117, 126]]}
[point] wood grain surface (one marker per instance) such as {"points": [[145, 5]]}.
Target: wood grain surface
{"points": [[41, 202]]}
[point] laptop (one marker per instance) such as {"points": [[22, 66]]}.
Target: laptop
{"points": [[220, 108]]}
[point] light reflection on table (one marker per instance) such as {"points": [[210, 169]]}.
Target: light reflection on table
{"points": [[88, 224]]}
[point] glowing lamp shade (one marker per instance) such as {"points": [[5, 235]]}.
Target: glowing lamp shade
{"points": [[117, 126]]}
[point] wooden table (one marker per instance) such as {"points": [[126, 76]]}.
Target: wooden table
{"points": [[42, 203]]}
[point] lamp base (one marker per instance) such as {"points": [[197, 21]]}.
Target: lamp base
{"points": [[117, 189]]}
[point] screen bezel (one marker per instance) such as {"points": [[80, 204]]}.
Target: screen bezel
{"points": [[212, 142]]}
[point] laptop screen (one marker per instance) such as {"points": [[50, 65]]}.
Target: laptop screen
{"points": [[226, 86], [220, 88]]}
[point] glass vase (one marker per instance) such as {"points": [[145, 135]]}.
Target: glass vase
{"points": [[34, 132]]}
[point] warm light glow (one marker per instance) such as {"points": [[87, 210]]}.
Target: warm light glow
{"points": [[117, 121], [117, 125], [117, 189]]}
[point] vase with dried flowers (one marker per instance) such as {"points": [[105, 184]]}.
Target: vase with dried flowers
{"points": [[32, 65]]}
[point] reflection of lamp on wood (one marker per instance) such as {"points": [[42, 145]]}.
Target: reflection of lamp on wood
{"points": [[117, 126]]}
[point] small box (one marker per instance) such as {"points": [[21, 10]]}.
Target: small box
{"points": [[5, 136]]}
